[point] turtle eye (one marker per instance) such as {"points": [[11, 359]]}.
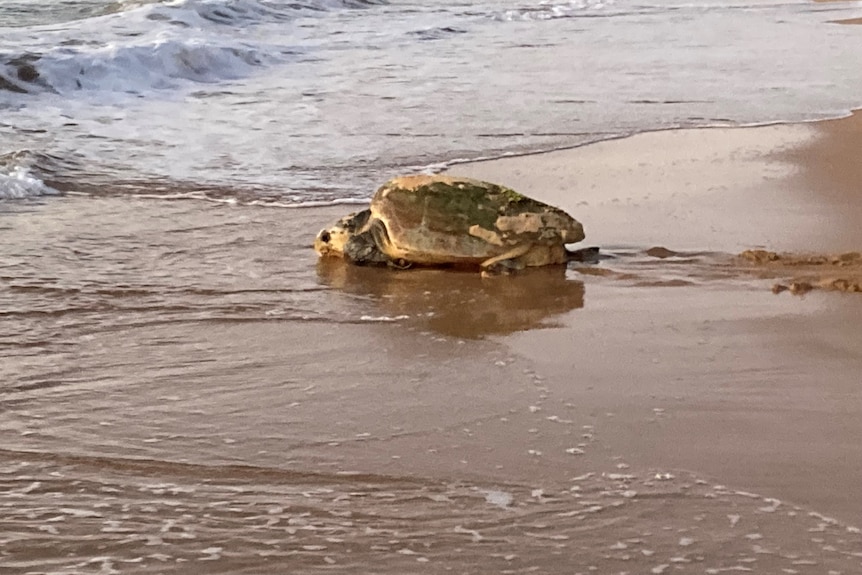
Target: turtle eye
{"points": [[325, 237]]}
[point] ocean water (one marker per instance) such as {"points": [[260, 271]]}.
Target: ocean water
{"points": [[185, 389], [318, 101]]}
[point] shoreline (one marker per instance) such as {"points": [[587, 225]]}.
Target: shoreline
{"points": [[452, 165]]}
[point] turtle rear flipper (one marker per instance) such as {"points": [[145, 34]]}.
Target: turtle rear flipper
{"points": [[506, 262], [588, 255]]}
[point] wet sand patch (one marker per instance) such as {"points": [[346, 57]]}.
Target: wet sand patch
{"points": [[719, 377]]}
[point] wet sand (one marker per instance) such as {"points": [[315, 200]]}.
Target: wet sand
{"points": [[184, 385], [704, 368]]}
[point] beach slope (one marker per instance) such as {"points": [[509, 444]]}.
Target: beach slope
{"points": [[682, 352]]}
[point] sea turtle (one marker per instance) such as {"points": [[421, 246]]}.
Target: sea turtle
{"points": [[438, 220]]}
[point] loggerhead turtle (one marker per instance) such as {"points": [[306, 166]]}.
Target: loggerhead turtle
{"points": [[443, 220]]}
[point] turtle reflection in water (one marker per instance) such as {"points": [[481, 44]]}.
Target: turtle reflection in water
{"points": [[457, 303], [424, 220]]}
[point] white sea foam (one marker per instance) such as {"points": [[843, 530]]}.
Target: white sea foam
{"points": [[298, 203], [552, 9], [19, 183], [383, 318]]}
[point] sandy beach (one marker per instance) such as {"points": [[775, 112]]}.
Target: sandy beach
{"points": [[235, 400]]}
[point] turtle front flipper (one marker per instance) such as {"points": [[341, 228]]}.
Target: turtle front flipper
{"points": [[379, 233], [362, 250]]}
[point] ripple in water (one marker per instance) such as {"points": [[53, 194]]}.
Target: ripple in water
{"points": [[139, 516]]}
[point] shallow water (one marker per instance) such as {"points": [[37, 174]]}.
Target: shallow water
{"points": [[164, 518], [243, 100], [218, 396]]}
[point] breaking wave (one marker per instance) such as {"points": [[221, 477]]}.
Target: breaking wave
{"points": [[158, 45], [132, 68], [244, 12]]}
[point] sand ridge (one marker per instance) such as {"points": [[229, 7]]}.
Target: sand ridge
{"points": [[806, 272]]}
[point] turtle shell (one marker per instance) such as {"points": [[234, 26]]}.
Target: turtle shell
{"points": [[444, 219]]}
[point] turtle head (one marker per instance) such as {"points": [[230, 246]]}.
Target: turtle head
{"points": [[331, 241]]}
